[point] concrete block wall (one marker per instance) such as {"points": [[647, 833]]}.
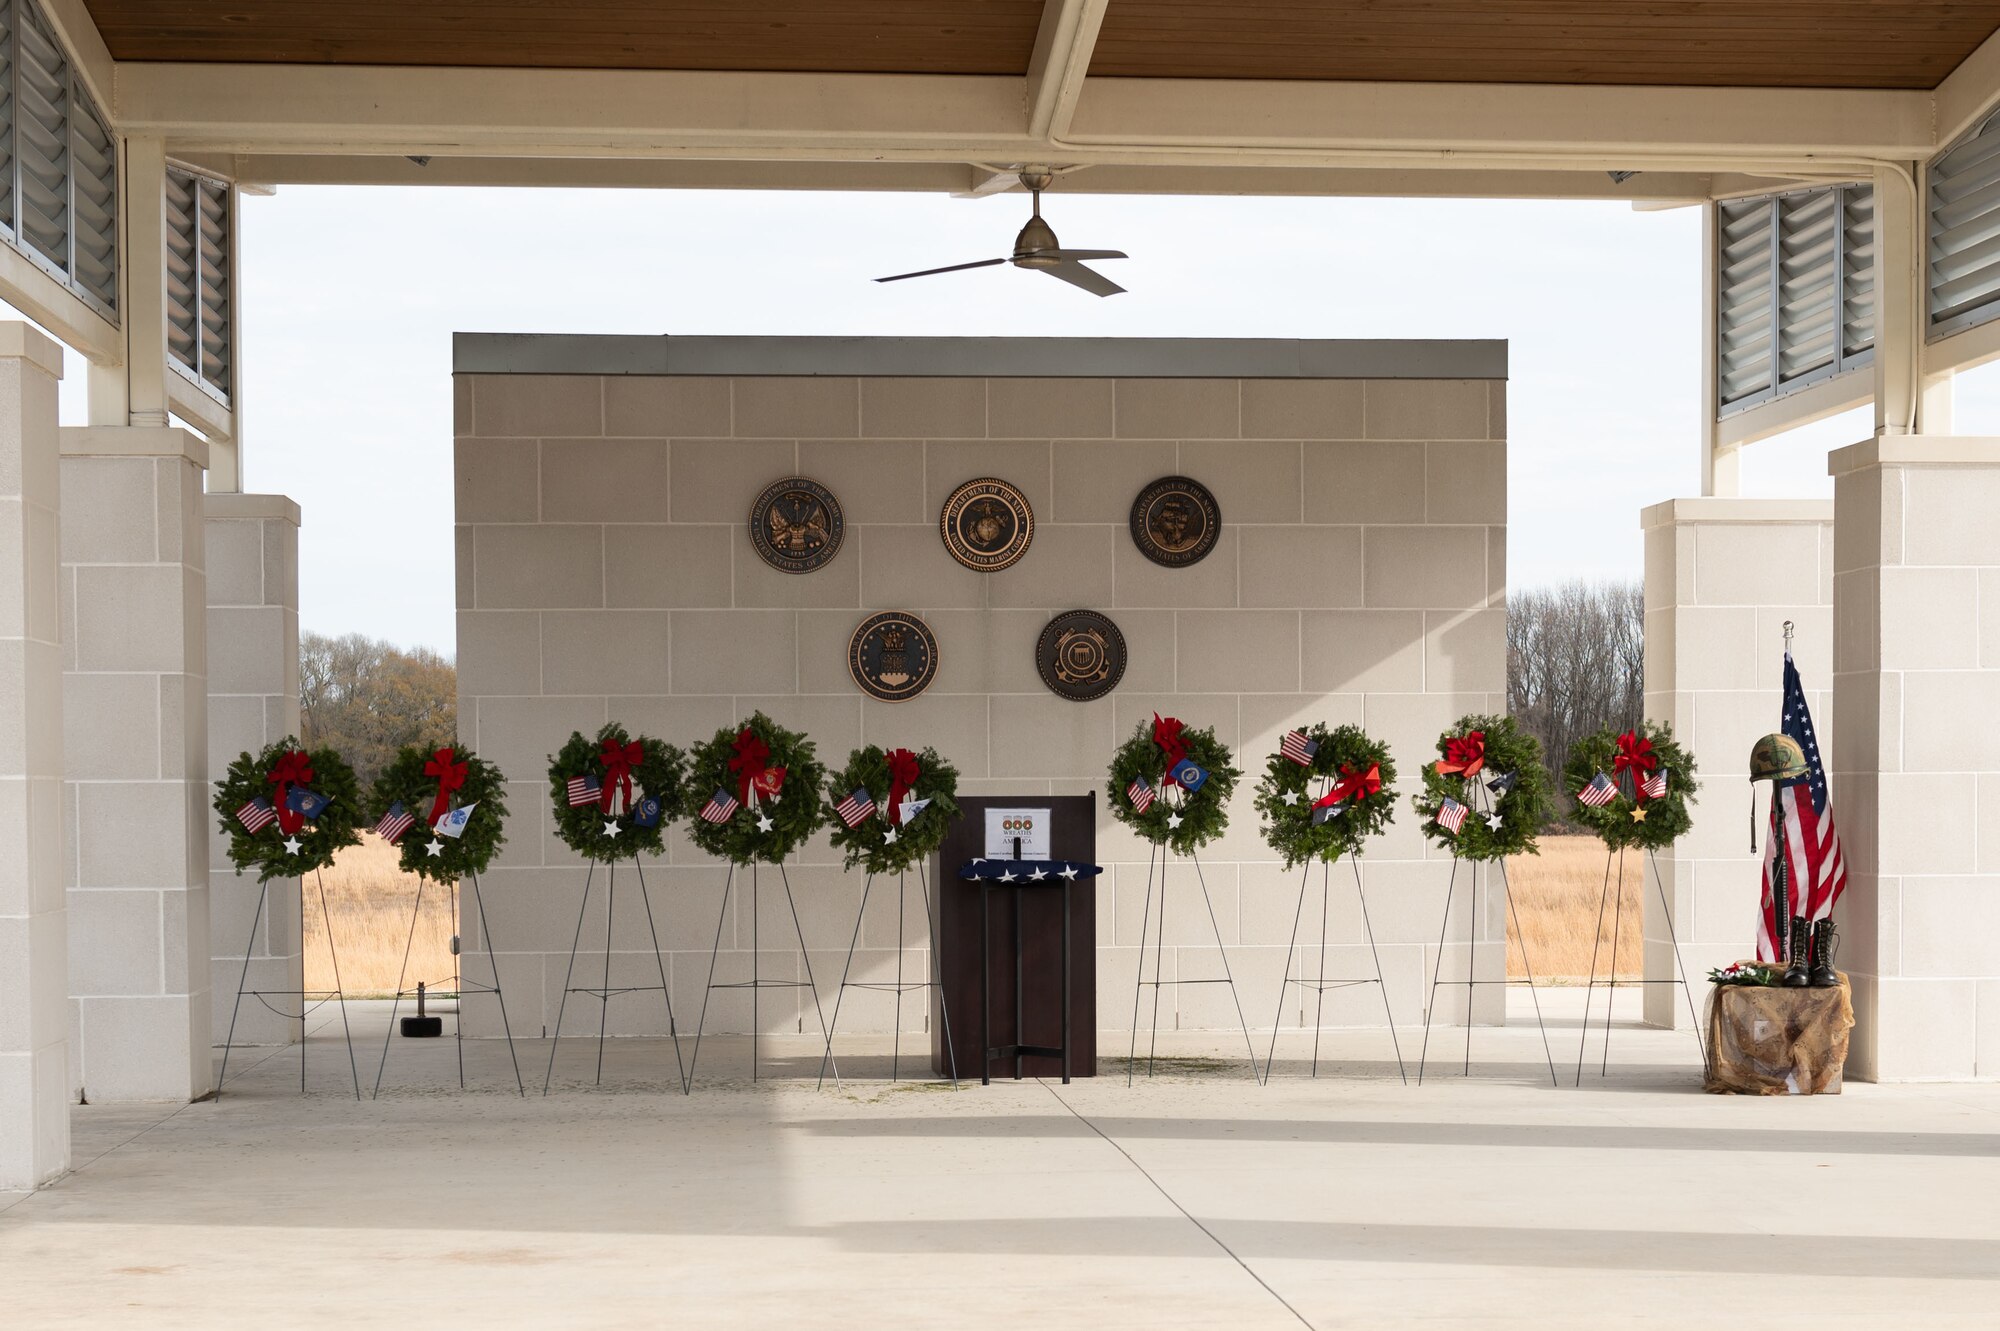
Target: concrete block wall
{"points": [[1722, 577], [605, 572], [136, 796], [34, 943], [253, 700], [1917, 661]]}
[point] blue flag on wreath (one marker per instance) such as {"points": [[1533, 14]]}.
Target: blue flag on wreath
{"points": [[647, 813], [1187, 775], [307, 803]]}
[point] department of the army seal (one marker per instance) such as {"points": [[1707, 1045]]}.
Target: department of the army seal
{"points": [[893, 656], [1081, 655], [1175, 521], [796, 525], [986, 524]]}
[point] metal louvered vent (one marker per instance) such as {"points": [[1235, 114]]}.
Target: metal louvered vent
{"points": [[58, 162], [1795, 292], [198, 268], [1962, 269]]}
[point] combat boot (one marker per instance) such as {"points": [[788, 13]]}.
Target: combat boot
{"points": [[1823, 940], [1795, 973]]}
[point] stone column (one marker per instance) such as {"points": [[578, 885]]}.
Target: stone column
{"points": [[253, 700], [1722, 577], [136, 799], [1916, 779], [34, 983]]}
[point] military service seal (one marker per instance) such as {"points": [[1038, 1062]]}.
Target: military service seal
{"points": [[1175, 521], [987, 524], [1081, 655], [893, 656], [796, 525]]}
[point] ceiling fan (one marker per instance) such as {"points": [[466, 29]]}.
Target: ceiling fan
{"points": [[1036, 249]]}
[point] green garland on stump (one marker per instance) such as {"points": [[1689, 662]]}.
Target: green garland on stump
{"points": [[1289, 823], [795, 814], [864, 844], [404, 782], [1522, 811], [1204, 813], [659, 773], [319, 841], [1666, 819]]}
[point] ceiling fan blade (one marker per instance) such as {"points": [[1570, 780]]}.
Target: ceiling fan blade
{"points": [[954, 268], [1087, 254], [1097, 284]]}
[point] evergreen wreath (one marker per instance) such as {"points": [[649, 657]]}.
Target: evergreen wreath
{"points": [[270, 775], [1177, 818], [1344, 761], [1491, 747], [731, 762], [656, 770], [413, 779], [1632, 818], [866, 844]]}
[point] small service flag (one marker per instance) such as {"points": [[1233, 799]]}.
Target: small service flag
{"points": [[584, 790], [453, 823], [394, 823], [256, 815], [1298, 748], [1502, 782], [1140, 793], [1451, 816], [1654, 787], [307, 803], [1187, 775], [909, 809], [1326, 812], [856, 807], [648, 812], [721, 807], [1600, 792]]}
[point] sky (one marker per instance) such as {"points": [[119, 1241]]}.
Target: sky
{"points": [[351, 296]]}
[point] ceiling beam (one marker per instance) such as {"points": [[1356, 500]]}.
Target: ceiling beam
{"points": [[1063, 46]]}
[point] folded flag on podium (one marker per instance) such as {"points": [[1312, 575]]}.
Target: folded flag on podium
{"points": [[1451, 815], [584, 790], [453, 823], [721, 807], [647, 813], [1140, 793], [1298, 748], [394, 823], [1600, 792], [256, 815], [856, 807]]}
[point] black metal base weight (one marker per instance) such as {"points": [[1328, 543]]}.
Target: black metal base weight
{"points": [[309, 999], [1156, 865], [1319, 985], [606, 991], [756, 983], [932, 980], [460, 987], [1614, 983]]}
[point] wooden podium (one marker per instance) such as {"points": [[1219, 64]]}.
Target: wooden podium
{"points": [[965, 971]]}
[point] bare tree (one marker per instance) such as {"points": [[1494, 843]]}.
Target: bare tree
{"points": [[368, 698], [1575, 662]]}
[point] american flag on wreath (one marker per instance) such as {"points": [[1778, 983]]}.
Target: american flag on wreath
{"points": [[1600, 792], [1815, 866], [721, 807], [1140, 793], [584, 790], [394, 823], [1451, 815], [1298, 748], [256, 815], [855, 807], [1654, 787]]}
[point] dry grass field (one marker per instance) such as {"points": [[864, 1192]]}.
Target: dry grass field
{"points": [[1556, 893]]}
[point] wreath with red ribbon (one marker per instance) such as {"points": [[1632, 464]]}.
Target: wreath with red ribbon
{"points": [[890, 779], [1346, 772], [1491, 769], [627, 792], [263, 800], [427, 784], [769, 782], [1167, 812], [1637, 763]]}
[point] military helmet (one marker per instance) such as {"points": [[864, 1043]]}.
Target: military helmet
{"points": [[1777, 758]]}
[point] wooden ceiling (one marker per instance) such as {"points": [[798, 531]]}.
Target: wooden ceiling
{"points": [[1720, 43]]}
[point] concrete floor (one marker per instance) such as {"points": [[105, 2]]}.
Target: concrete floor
{"points": [[1196, 1199]]}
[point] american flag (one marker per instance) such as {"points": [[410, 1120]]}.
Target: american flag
{"points": [[1654, 787], [855, 807], [584, 790], [1451, 816], [1600, 792], [256, 815], [1297, 747], [721, 807], [1140, 793], [1815, 868], [394, 823]]}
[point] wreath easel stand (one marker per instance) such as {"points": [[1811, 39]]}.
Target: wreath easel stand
{"points": [[1319, 984], [1156, 866], [460, 986], [606, 991], [756, 983], [933, 979], [310, 1000]]}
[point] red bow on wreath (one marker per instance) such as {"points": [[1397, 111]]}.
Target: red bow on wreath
{"points": [[1357, 785], [752, 776], [293, 768], [450, 775], [1635, 755], [618, 761], [1464, 756], [1167, 734], [903, 773]]}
